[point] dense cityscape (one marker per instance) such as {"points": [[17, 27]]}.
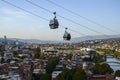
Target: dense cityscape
{"points": [[85, 60], [59, 40]]}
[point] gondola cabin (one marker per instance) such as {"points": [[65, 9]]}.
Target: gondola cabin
{"points": [[54, 22], [66, 35]]}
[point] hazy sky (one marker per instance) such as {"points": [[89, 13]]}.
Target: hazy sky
{"points": [[16, 23]]}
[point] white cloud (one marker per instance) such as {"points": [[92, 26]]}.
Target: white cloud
{"points": [[13, 13]]}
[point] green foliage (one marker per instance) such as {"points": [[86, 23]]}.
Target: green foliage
{"points": [[65, 75], [96, 68], [42, 77], [74, 74], [111, 52], [36, 54], [101, 68], [45, 77], [79, 74], [37, 49], [69, 56], [117, 73], [105, 68], [36, 76], [42, 56], [52, 62], [97, 58]]}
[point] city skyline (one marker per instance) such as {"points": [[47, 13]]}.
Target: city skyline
{"points": [[17, 23]]}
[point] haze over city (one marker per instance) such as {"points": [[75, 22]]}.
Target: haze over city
{"points": [[17, 23]]}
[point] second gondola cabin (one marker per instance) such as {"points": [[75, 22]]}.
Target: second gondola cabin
{"points": [[66, 35]]}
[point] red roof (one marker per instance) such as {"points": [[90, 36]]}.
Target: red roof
{"points": [[109, 76]]}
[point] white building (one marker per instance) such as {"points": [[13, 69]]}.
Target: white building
{"points": [[117, 78], [55, 74]]}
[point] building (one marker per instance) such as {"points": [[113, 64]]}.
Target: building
{"points": [[8, 55], [5, 40]]}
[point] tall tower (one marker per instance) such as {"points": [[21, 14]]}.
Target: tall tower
{"points": [[5, 40]]}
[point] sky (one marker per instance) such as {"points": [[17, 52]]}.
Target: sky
{"points": [[17, 23]]}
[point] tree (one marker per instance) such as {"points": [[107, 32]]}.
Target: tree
{"points": [[45, 77], [117, 73], [95, 68], [69, 56], [52, 62], [42, 56], [109, 51], [105, 68], [74, 74], [101, 68], [36, 54], [65, 75], [97, 58], [36, 76], [79, 74]]}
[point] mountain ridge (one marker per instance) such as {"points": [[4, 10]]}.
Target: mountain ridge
{"points": [[95, 37], [77, 39]]}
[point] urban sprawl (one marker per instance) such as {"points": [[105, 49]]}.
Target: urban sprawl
{"points": [[85, 60]]}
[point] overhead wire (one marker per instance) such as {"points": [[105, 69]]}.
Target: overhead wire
{"points": [[62, 17], [39, 16], [34, 4], [74, 13], [24, 10], [90, 37], [73, 30]]}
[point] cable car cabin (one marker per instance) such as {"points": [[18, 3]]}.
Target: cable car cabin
{"points": [[66, 36], [53, 24]]}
